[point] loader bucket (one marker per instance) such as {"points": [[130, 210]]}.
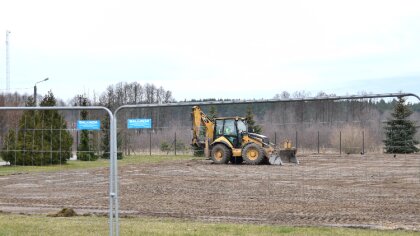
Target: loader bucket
{"points": [[288, 155]]}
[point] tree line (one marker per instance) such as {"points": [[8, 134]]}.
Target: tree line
{"points": [[43, 137]]}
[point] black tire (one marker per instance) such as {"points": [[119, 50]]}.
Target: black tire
{"points": [[236, 160], [220, 154], [253, 154]]}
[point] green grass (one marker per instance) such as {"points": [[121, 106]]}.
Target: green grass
{"points": [[11, 224], [73, 165]]}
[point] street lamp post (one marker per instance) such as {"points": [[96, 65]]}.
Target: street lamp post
{"points": [[35, 102]]}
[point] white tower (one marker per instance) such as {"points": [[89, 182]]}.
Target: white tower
{"points": [[7, 63]]}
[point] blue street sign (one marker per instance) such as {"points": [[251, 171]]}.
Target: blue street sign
{"points": [[139, 123], [89, 124]]}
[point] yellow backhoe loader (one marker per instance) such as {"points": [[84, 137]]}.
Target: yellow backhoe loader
{"points": [[226, 139]]}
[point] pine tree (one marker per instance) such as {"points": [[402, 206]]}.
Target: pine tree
{"points": [[212, 112], [41, 138], [105, 130], [400, 131], [84, 152], [252, 127]]}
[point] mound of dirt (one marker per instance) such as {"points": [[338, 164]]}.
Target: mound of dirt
{"points": [[65, 212]]}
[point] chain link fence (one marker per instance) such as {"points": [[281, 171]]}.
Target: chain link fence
{"points": [[345, 178], [37, 145], [39, 138]]}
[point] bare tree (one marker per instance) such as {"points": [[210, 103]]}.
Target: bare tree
{"points": [[282, 95]]}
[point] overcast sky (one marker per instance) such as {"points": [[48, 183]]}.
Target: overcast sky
{"points": [[212, 49]]}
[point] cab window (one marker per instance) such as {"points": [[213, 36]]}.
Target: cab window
{"points": [[241, 126], [219, 127], [229, 128]]}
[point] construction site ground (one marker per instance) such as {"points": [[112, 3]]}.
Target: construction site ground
{"points": [[372, 191]]}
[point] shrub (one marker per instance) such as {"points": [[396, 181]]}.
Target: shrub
{"points": [[105, 155], [165, 147], [198, 152], [87, 156]]}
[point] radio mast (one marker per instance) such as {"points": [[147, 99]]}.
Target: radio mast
{"points": [[7, 63]]}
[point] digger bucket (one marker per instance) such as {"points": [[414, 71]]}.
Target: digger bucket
{"points": [[288, 155]]}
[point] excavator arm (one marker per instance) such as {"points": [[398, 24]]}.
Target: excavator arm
{"points": [[202, 129]]}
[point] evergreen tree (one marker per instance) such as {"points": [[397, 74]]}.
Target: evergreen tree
{"points": [[212, 112], [41, 138], [105, 130], [84, 152], [400, 131], [252, 127]]}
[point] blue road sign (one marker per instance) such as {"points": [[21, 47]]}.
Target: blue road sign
{"points": [[89, 124], [139, 123]]}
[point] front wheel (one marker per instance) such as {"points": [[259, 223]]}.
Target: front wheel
{"points": [[253, 154], [220, 154]]}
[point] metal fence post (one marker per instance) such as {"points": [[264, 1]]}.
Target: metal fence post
{"points": [[275, 138], [111, 179], [175, 143], [42, 139], [114, 162], [363, 142], [15, 146], [60, 146], [51, 145], [33, 141], [150, 143], [340, 143], [318, 142]]}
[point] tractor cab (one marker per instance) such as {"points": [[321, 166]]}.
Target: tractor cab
{"points": [[232, 128]]}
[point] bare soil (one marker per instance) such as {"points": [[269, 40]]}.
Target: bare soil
{"points": [[375, 191]]}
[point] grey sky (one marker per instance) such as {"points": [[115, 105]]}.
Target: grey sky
{"points": [[213, 49]]}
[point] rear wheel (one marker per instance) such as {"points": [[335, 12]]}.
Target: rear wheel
{"points": [[220, 154], [253, 154]]}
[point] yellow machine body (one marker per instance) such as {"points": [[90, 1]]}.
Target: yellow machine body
{"points": [[226, 139]]}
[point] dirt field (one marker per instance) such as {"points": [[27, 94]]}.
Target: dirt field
{"points": [[360, 191]]}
